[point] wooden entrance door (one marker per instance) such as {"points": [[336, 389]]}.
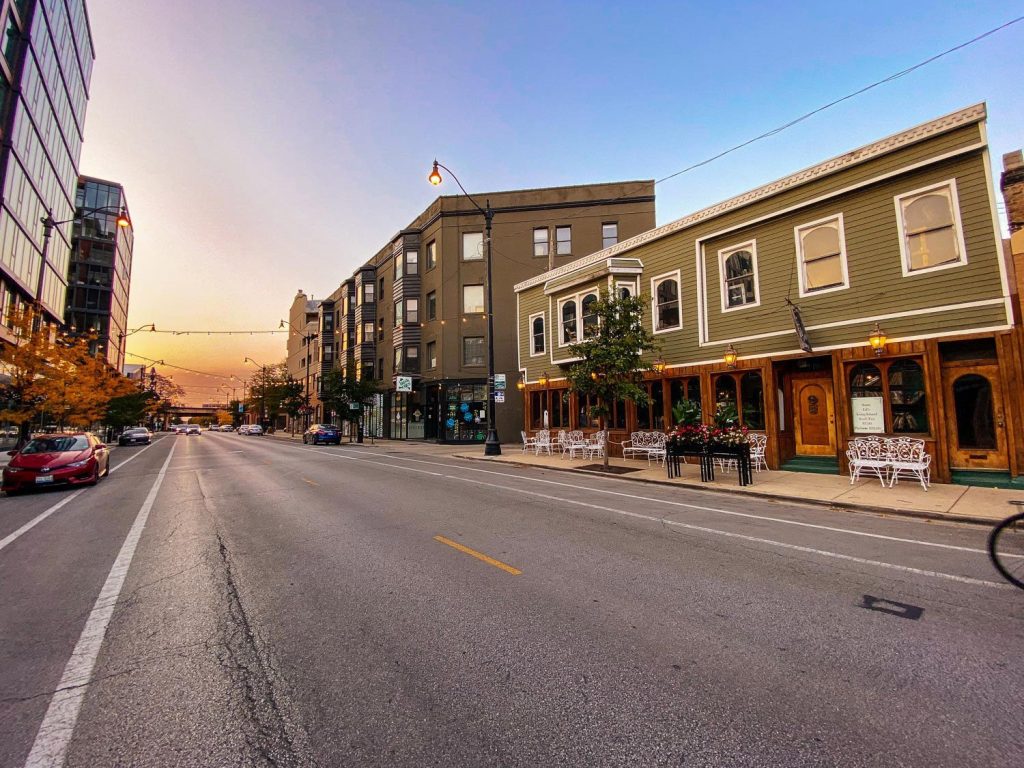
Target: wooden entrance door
{"points": [[814, 421], [975, 419]]}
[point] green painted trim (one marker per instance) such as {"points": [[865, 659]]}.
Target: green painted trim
{"points": [[986, 478], [817, 465]]}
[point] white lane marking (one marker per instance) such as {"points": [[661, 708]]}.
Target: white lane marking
{"points": [[688, 526], [717, 510], [135, 455], [39, 518], [67, 499], [54, 735]]}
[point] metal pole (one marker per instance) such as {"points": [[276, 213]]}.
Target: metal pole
{"points": [[48, 225], [305, 391], [492, 446]]}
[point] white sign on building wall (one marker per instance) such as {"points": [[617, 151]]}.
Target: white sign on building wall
{"points": [[868, 415]]}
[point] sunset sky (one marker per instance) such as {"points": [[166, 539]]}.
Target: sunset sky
{"points": [[266, 147]]}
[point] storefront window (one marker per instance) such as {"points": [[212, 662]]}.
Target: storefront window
{"points": [[618, 418], [537, 403], [585, 417], [652, 415], [684, 397], [888, 397], [465, 414], [726, 409], [752, 396], [907, 397]]}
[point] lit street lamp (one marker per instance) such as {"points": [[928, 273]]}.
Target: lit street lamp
{"points": [[307, 337], [492, 446], [122, 335], [263, 388]]}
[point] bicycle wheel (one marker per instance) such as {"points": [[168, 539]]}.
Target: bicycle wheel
{"points": [[1006, 548]]}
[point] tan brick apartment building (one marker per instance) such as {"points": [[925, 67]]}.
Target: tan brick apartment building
{"points": [[417, 309]]}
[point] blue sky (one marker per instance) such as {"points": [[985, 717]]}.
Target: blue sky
{"points": [[268, 146]]}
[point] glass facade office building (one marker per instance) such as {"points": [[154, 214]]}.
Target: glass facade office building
{"points": [[100, 271], [45, 68]]}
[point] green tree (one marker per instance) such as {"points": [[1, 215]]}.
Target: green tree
{"points": [[129, 410], [611, 365], [340, 394]]}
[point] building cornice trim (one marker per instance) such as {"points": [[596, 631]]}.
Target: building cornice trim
{"points": [[967, 116]]}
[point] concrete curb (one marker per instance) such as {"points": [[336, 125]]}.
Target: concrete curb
{"points": [[843, 505]]}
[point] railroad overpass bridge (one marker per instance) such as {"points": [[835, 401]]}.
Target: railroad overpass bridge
{"points": [[186, 412]]}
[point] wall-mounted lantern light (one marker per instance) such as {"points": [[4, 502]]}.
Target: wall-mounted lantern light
{"points": [[730, 356], [543, 380], [877, 339], [658, 366]]}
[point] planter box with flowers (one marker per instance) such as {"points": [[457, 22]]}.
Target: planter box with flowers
{"points": [[708, 443]]}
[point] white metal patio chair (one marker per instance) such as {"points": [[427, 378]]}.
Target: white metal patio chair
{"points": [[543, 443], [529, 443], [907, 458], [871, 455]]}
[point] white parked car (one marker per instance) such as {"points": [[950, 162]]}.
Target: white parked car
{"points": [[255, 429], [244, 429]]}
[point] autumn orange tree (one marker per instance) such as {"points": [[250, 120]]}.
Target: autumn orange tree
{"points": [[52, 377]]}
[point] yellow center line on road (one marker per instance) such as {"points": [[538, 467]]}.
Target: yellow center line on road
{"points": [[479, 555], [307, 480]]}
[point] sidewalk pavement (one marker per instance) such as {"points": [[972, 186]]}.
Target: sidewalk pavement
{"points": [[958, 503]]}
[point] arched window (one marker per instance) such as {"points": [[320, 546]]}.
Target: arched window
{"points": [[537, 332], [739, 279], [889, 397], [752, 397], [589, 311], [865, 381], [725, 400], [930, 236], [666, 304], [907, 397], [569, 322], [975, 425], [822, 256]]}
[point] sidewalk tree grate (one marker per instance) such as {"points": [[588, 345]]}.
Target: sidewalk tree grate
{"points": [[611, 469]]}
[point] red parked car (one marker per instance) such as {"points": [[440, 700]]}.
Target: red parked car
{"points": [[46, 460]]}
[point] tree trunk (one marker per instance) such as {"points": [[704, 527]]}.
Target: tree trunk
{"points": [[604, 428]]}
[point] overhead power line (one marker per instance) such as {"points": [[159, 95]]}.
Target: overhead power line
{"points": [[181, 368], [847, 97]]}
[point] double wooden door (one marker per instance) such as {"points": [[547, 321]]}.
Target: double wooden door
{"points": [[814, 419]]}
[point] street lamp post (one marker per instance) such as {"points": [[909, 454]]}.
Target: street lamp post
{"points": [[307, 337], [263, 388], [48, 226], [122, 335], [492, 446]]}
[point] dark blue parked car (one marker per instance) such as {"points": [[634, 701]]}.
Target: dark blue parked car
{"points": [[322, 433]]}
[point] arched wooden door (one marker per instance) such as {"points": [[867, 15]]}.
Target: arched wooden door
{"points": [[975, 419], [814, 421]]}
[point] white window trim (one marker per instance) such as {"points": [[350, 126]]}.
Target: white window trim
{"points": [[545, 328], [954, 200], [801, 274], [576, 298], [676, 275], [535, 243], [750, 245], [633, 292]]}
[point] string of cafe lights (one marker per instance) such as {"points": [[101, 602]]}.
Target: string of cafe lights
{"points": [[212, 332], [182, 368]]}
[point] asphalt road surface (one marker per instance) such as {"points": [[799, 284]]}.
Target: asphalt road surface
{"points": [[226, 600]]}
